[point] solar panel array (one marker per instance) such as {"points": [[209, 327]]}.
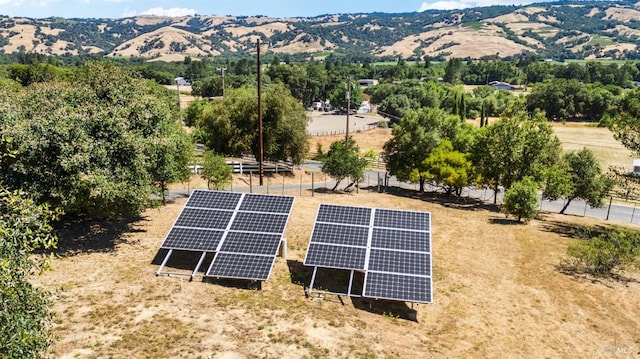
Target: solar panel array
{"points": [[392, 247], [244, 230]]}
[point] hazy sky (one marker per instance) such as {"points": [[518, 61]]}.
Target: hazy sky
{"points": [[272, 8]]}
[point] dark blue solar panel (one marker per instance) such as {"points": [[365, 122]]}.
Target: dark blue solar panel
{"points": [[214, 199], [259, 222], [266, 203], [400, 240], [241, 266], [330, 256], [389, 218], [346, 215], [254, 243], [340, 234], [192, 239], [203, 218], [399, 262], [397, 287]]}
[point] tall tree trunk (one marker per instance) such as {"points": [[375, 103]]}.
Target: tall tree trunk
{"points": [[495, 193], [421, 181], [566, 205], [336, 186]]}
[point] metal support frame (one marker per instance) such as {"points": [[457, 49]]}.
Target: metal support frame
{"points": [[193, 274], [197, 269], [310, 290]]}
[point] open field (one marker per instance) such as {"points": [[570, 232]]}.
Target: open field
{"points": [[497, 291]]}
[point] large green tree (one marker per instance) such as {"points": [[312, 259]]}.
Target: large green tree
{"points": [[230, 126], [579, 177], [559, 99], [94, 145], [515, 147], [25, 315], [416, 136], [338, 96], [169, 153], [625, 125], [448, 168], [343, 161]]}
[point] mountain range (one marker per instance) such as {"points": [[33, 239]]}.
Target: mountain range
{"points": [[560, 30]]}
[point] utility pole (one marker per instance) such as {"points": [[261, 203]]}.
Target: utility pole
{"points": [[260, 150], [222, 69], [178, 88], [347, 96]]}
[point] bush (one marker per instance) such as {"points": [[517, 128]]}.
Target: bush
{"points": [[383, 124], [216, 171], [602, 254], [521, 200]]}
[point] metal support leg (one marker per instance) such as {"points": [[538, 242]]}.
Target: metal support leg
{"points": [[313, 279], [164, 262], [195, 271], [350, 283]]}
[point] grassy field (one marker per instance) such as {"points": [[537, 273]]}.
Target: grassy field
{"points": [[497, 290]]}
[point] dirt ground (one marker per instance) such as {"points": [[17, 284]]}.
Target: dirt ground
{"points": [[498, 293]]}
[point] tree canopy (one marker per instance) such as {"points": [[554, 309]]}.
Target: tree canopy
{"points": [[578, 177], [515, 147], [230, 126], [343, 161], [416, 136], [94, 145]]}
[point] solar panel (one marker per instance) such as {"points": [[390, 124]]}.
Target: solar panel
{"points": [[254, 243], [214, 199], [243, 229], [339, 234], [241, 266], [193, 239], [392, 247], [267, 203], [401, 240], [398, 262], [343, 214], [398, 287], [332, 256], [203, 218], [259, 222], [390, 218]]}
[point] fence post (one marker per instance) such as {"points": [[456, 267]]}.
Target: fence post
{"points": [[634, 211], [301, 174], [609, 210], [282, 184], [313, 191]]}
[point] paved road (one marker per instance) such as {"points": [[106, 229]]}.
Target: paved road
{"points": [[615, 212]]}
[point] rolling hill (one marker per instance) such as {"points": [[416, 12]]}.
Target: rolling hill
{"points": [[561, 30]]}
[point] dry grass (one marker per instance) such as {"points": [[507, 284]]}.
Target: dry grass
{"points": [[497, 294]]}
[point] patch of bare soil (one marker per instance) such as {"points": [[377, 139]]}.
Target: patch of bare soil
{"points": [[497, 294], [497, 291]]}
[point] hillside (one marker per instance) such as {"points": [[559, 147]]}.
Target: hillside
{"points": [[563, 30]]}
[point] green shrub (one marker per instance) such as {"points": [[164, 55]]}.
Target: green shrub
{"points": [[602, 254], [521, 200]]}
